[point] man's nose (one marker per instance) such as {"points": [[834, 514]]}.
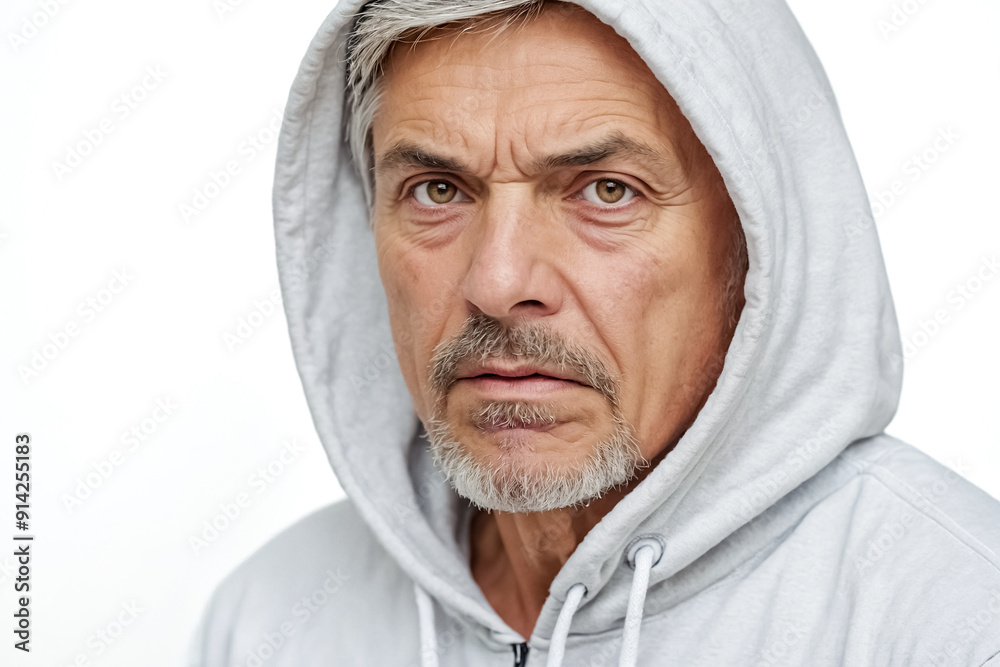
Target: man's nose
{"points": [[514, 268]]}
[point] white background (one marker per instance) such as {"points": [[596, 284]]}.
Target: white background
{"points": [[223, 77]]}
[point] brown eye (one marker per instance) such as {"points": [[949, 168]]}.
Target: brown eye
{"points": [[608, 191], [432, 193]]}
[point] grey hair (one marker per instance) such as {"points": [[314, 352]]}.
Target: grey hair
{"points": [[380, 25]]}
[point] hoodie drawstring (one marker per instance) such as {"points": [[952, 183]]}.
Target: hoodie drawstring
{"points": [[557, 647], [641, 556], [425, 620]]}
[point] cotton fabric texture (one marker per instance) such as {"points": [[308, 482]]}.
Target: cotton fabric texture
{"points": [[793, 530]]}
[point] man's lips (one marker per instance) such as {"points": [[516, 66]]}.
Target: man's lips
{"points": [[517, 381], [517, 373]]}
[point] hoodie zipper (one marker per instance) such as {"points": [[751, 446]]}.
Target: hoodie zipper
{"points": [[520, 654]]}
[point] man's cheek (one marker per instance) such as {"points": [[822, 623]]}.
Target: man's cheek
{"points": [[416, 345], [416, 382]]}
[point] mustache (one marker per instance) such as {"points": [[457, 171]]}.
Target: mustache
{"points": [[483, 337]]}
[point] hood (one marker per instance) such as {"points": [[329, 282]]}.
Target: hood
{"points": [[813, 366]]}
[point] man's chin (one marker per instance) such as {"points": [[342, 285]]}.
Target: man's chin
{"points": [[522, 470], [533, 447]]}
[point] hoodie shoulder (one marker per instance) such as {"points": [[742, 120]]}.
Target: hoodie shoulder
{"points": [[304, 596], [922, 570], [959, 508]]}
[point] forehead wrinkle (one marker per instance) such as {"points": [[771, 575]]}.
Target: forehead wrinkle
{"points": [[615, 145], [667, 160]]}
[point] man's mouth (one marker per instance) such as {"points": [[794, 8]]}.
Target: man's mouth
{"points": [[511, 382]]}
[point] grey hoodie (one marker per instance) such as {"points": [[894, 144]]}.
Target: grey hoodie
{"points": [[792, 529]]}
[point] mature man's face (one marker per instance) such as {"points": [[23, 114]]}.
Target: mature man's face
{"points": [[554, 243]]}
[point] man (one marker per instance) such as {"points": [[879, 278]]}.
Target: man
{"points": [[642, 353]]}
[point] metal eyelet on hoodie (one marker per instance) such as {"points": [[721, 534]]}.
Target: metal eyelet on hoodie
{"points": [[655, 541], [641, 555]]}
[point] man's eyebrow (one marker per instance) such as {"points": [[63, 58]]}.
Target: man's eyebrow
{"points": [[616, 145], [404, 154]]}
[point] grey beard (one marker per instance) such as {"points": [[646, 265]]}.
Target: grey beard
{"points": [[508, 480], [511, 482]]}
